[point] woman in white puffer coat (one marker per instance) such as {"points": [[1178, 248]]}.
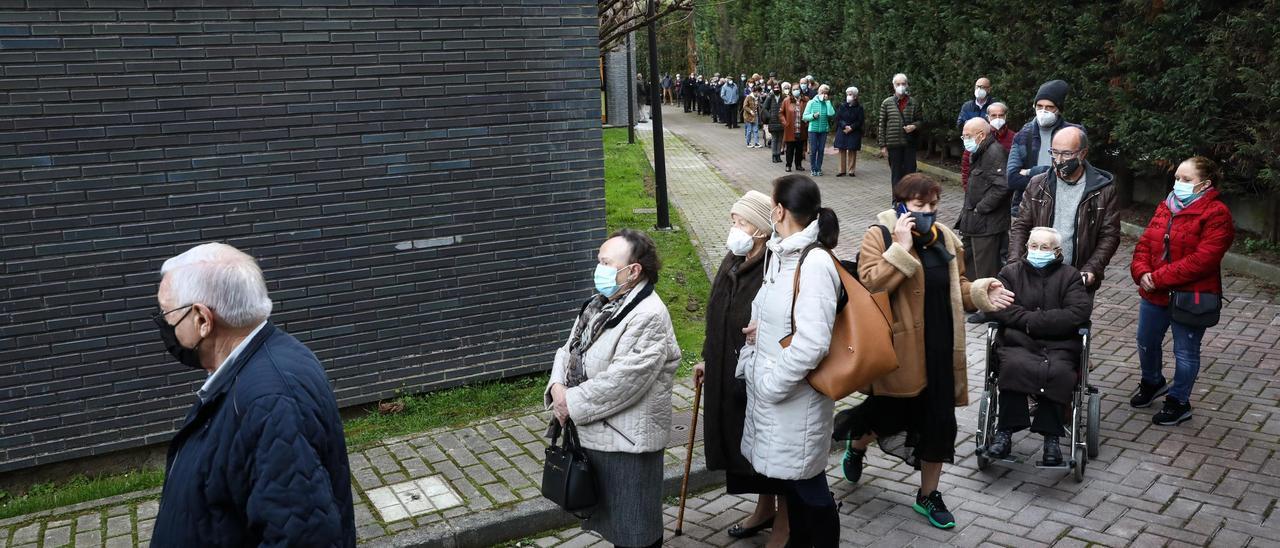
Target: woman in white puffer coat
{"points": [[787, 432]]}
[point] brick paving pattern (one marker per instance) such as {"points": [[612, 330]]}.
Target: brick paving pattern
{"points": [[1211, 481]]}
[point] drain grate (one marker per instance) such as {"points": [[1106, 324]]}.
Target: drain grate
{"points": [[680, 428]]}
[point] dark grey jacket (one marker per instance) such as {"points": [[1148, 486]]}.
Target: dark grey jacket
{"points": [[986, 201]]}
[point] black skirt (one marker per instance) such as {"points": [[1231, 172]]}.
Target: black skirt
{"points": [[922, 427]]}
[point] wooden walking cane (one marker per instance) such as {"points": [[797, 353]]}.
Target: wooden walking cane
{"points": [[688, 457]]}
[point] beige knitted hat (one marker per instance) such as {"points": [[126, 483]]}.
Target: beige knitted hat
{"points": [[756, 208]]}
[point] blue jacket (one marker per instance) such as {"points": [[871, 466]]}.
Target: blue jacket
{"points": [[729, 93], [1025, 152], [260, 459], [971, 110]]}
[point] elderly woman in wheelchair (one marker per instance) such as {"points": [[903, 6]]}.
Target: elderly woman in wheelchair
{"points": [[1039, 346]]}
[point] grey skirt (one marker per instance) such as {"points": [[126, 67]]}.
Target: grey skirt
{"points": [[630, 492]]}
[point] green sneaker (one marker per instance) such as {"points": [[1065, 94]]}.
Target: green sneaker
{"points": [[852, 462], [933, 508]]}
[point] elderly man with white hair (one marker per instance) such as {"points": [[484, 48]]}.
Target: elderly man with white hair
{"points": [[900, 122], [260, 458], [1039, 347], [984, 221]]}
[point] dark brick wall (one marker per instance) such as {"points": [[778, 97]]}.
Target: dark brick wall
{"points": [[421, 182]]}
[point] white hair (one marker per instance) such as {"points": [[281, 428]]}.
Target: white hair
{"points": [[998, 104], [896, 76], [1054, 235], [786, 85], [222, 278], [824, 88], [851, 91]]}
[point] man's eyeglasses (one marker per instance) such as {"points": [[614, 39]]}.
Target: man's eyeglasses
{"points": [[160, 314], [1063, 154]]}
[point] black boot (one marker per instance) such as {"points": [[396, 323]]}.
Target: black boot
{"points": [[1001, 444], [1052, 452]]}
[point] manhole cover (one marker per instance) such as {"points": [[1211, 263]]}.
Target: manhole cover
{"points": [[680, 428]]}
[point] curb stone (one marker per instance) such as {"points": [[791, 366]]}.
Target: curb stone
{"points": [[529, 517]]}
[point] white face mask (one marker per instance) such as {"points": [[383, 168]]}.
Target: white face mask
{"points": [[900, 89], [1046, 118], [980, 93], [997, 123], [849, 99], [739, 242]]}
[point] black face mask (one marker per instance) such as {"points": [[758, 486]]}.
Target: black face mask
{"points": [[189, 357], [1067, 168]]}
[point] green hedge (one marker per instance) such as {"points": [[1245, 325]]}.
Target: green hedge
{"points": [[1154, 82]]}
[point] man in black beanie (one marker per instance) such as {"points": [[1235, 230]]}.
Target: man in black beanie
{"points": [[1030, 153]]}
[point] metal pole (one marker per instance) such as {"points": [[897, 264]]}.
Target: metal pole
{"points": [[659, 153], [631, 99]]}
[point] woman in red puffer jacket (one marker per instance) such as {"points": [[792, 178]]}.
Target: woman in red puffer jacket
{"points": [[1181, 250]]}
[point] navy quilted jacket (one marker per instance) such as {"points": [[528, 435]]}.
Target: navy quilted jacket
{"points": [[261, 459]]}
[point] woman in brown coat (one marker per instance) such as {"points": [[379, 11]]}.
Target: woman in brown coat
{"points": [[910, 413], [795, 131], [725, 404]]}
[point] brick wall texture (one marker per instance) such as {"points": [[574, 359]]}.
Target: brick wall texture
{"points": [[421, 181]]}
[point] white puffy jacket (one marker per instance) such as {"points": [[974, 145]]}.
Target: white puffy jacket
{"points": [[787, 433], [625, 403]]}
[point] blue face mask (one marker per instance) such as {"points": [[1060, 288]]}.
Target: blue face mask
{"points": [[1040, 258], [1184, 190], [606, 278], [970, 145]]}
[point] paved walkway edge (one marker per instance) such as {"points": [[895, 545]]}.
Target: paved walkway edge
{"points": [[532, 517]]}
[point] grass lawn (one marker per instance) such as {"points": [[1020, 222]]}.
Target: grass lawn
{"points": [[683, 286]]}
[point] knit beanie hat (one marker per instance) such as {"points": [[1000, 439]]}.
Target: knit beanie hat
{"points": [[755, 207], [1053, 90]]}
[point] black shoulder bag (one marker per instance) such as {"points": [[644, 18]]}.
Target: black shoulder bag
{"points": [[1191, 308], [567, 476]]}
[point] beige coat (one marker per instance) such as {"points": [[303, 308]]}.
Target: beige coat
{"points": [[898, 271]]}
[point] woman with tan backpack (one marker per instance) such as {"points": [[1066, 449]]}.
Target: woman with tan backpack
{"points": [[787, 427]]}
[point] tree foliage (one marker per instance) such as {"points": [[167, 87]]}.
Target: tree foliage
{"points": [[1153, 81]]}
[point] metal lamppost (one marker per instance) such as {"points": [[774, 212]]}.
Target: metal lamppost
{"points": [[655, 100], [631, 100]]}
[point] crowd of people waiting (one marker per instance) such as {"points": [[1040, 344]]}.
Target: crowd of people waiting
{"points": [[1037, 229]]}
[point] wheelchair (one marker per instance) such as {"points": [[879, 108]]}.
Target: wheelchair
{"points": [[1086, 403]]}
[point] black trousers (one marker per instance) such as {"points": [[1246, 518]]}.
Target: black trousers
{"points": [[1015, 415], [982, 255], [688, 102], [795, 154], [902, 162], [812, 514], [730, 115]]}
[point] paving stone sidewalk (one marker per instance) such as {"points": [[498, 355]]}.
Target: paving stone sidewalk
{"points": [[418, 489], [1212, 481]]}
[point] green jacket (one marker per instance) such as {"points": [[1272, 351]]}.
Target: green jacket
{"points": [[818, 114], [892, 120]]}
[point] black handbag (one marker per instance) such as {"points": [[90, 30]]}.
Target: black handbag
{"points": [[1191, 308], [1195, 308], [567, 477]]}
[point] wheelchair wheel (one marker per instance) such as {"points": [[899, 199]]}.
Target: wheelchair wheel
{"points": [[1092, 419], [984, 429], [1077, 472]]}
